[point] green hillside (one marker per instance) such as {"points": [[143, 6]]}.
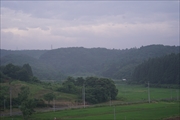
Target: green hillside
{"points": [[56, 64], [160, 70], [37, 91], [31, 53], [40, 69]]}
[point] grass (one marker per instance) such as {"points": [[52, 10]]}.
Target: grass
{"points": [[38, 90], [146, 111], [140, 93], [127, 93]]}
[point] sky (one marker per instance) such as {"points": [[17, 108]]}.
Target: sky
{"points": [[89, 24]]}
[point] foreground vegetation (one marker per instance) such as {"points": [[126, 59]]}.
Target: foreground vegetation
{"points": [[97, 90], [128, 94], [146, 111]]}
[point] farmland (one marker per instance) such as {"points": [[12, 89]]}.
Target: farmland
{"points": [[146, 111], [132, 93], [131, 104]]}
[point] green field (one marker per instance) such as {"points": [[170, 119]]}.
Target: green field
{"points": [[126, 107], [126, 93], [146, 111], [131, 93]]}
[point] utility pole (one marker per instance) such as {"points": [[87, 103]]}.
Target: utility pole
{"points": [[83, 92], [54, 101], [114, 113], [177, 95], [171, 94], [54, 105], [4, 104], [110, 100], [148, 93], [10, 100]]}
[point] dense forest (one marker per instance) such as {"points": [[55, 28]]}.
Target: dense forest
{"points": [[57, 64], [159, 70], [13, 72]]}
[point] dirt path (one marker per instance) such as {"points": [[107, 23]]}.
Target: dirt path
{"points": [[173, 118]]}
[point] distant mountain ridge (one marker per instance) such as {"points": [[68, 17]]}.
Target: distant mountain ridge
{"points": [[31, 53], [79, 61]]}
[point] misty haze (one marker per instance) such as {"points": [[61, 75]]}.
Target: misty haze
{"points": [[94, 60]]}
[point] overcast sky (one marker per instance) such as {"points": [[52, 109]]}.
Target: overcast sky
{"points": [[115, 24]]}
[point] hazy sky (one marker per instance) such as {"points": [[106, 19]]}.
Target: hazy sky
{"points": [[115, 24]]}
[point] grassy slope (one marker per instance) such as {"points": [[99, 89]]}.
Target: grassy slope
{"points": [[38, 90]]}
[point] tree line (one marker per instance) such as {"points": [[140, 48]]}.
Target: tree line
{"points": [[159, 70], [11, 72], [58, 64]]}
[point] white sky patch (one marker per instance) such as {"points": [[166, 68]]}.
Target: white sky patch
{"points": [[127, 28]]}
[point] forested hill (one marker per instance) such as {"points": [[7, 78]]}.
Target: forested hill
{"points": [[79, 61], [160, 70], [31, 53]]}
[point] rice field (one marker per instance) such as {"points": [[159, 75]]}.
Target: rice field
{"points": [[164, 104], [145, 111]]}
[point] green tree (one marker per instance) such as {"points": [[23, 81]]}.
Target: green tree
{"points": [[27, 108], [15, 72], [49, 97], [71, 79], [100, 89], [69, 86], [11, 71], [79, 81], [27, 67], [23, 75], [27, 105], [24, 94], [4, 77]]}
